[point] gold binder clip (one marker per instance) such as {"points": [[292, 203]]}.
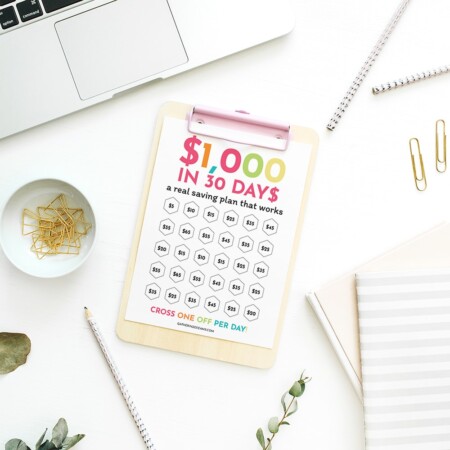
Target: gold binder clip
{"points": [[419, 171], [441, 147]]}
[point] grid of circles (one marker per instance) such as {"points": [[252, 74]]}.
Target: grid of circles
{"points": [[202, 257]]}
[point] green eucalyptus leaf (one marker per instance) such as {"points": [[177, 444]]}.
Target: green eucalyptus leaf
{"points": [[283, 402], [296, 389], [14, 349], [303, 387], [41, 439], [47, 445], [260, 437], [69, 442], [284, 423], [294, 408], [16, 444], [273, 425], [59, 432]]}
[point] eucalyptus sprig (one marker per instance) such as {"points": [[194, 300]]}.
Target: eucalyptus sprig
{"points": [[59, 440], [290, 406]]}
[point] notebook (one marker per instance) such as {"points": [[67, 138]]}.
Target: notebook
{"points": [[216, 238], [404, 320], [335, 303]]}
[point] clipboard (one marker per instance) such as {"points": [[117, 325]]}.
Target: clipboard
{"points": [[191, 284]]}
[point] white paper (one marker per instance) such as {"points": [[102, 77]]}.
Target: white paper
{"points": [[214, 260]]}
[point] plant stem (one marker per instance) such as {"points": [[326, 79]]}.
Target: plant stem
{"points": [[269, 440]]}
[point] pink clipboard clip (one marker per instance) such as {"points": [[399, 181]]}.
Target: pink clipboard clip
{"points": [[240, 127]]}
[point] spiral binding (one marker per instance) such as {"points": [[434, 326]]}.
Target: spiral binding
{"points": [[126, 395], [366, 67], [410, 79]]}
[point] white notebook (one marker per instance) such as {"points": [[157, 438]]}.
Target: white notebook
{"points": [[404, 320], [336, 306]]}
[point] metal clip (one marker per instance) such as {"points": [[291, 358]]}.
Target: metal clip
{"points": [[239, 126], [421, 180], [441, 147]]}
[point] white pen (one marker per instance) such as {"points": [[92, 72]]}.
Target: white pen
{"points": [[123, 388], [366, 66], [410, 79]]}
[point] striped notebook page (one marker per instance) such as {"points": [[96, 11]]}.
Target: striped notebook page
{"points": [[404, 320]]}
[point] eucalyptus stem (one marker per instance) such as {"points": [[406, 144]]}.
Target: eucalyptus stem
{"points": [[296, 390], [59, 440], [269, 440]]}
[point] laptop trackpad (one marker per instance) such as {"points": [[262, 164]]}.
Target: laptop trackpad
{"points": [[119, 43]]}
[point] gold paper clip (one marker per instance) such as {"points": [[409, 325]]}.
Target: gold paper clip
{"points": [[421, 180], [441, 147]]}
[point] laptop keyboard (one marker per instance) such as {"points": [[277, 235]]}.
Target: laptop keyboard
{"points": [[15, 13]]}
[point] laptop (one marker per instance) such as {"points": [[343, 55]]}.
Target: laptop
{"points": [[60, 56]]}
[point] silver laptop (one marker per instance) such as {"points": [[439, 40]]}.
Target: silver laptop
{"points": [[59, 56]]}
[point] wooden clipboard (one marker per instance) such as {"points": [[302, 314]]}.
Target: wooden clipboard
{"points": [[186, 342]]}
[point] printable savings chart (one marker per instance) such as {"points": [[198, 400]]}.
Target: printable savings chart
{"points": [[217, 236]]}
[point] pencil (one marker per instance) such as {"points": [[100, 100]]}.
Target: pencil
{"points": [[366, 67], [410, 79], [123, 389]]}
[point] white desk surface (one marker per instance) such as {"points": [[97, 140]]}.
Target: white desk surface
{"points": [[363, 202]]}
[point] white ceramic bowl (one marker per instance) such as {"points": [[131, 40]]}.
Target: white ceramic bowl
{"points": [[17, 247]]}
